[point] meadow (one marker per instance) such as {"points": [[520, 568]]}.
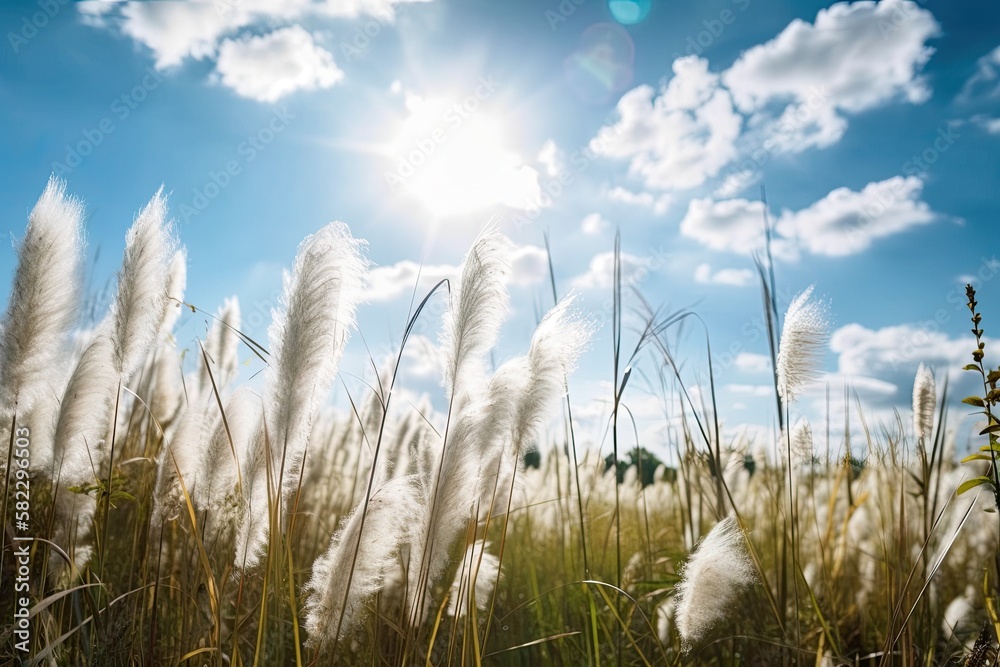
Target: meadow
{"points": [[160, 509]]}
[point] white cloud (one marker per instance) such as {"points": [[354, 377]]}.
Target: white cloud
{"points": [[989, 123], [844, 222], [593, 224], [176, 31], [600, 272], [755, 390], [528, 266], [752, 363], [678, 137], [880, 364], [550, 157], [736, 277], [858, 55], [733, 225], [658, 203], [986, 81], [268, 67], [896, 351], [735, 183]]}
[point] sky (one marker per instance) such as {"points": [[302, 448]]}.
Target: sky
{"points": [[873, 129]]}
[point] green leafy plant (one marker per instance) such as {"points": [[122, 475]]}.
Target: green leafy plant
{"points": [[988, 401]]}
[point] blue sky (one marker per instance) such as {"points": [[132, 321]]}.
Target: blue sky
{"points": [[875, 129]]}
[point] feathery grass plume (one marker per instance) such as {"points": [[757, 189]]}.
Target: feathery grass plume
{"points": [[139, 306], [221, 348], [924, 403], [715, 574], [556, 345], [803, 340], [477, 309], [44, 300], [120, 347], [307, 338], [480, 568], [174, 298], [802, 442], [330, 607], [79, 447], [166, 393], [181, 456], [217, 492], [453, 482], [84, 419]]}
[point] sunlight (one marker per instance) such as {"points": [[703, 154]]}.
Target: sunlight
{"points": [[452, 158]]}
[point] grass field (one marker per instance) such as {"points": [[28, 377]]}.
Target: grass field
{"points": [[177, 516]]}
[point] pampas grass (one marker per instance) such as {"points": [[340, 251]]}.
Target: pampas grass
{"points": [[924, 403], [360, 562], [386, 527], [803, 341], [44, 300], [307, 338], [712, 579]]}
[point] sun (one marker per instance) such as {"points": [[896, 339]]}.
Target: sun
{"points": [[450, 155]]}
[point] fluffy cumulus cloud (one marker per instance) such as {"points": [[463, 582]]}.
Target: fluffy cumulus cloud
{"points": [[268, 67], [177, 31], [703, 273], [528, 266], [896, 351], [787, 95], [844, 222], [880, 364], [678, 136], [734, 225], [859, 55]]}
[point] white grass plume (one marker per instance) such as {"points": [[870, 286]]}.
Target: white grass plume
{"points": [[478, 575], [556, 345], [307, 338], [221, 348], [478, 306], [802, 442], [174, 298], [388, 518], [166, 394], [218, 490], [453, 484], [538, 381], [803, 341], [138, 308], [714, 575], [924, 402], [45, 297], [85, 417]]}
